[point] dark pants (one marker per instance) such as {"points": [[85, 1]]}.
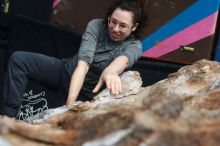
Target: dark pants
{"points": [[23, 66]]}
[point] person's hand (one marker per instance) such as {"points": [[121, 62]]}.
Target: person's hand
{"points": [[112, 81]]}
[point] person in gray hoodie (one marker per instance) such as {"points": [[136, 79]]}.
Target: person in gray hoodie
{"points": [[109, 46]]}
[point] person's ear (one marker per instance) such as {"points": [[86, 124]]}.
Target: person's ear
{"points": [[134, 27]]}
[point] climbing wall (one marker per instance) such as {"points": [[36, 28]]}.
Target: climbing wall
{"points": [[178, 31], [181, 31]]}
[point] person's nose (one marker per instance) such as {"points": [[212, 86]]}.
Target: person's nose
{"points": [[116, 28]]}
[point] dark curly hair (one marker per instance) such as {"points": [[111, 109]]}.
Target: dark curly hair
{"points": [[135, 6]]}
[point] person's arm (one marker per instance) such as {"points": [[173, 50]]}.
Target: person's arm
{"points": [[77, 81], [86, 53], [110, 76]]}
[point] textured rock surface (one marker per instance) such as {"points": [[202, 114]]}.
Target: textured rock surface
{"points": [[182, 110]]}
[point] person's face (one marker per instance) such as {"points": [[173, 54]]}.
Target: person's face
{"points": [[120, 24]]}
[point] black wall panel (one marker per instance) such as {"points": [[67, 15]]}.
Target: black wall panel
{"points": [[38, 9]]}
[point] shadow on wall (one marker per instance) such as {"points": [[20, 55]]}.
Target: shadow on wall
{"points": [[217, 52]]}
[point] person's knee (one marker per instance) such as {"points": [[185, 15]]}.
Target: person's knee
{"points": [[17, 57]]}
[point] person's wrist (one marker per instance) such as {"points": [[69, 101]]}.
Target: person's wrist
{"points": [[109, 71], [70, 100]]}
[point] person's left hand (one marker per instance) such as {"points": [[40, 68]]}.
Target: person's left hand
{"points": [[112, 81]]}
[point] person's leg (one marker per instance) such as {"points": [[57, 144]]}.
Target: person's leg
{"points": [[23, 66]]}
